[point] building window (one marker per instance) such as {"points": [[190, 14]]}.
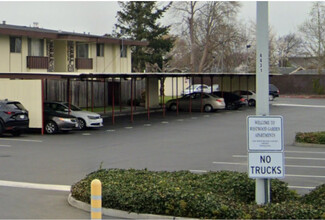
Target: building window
{"points": [[123, 50], [35, 47], [100, 50], [82, 50], [15, 44]]}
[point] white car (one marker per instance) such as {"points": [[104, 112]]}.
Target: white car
{"points": [[196, 88], [86, 119]]}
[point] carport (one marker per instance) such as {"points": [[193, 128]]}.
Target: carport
{"points": [[227, 82]]}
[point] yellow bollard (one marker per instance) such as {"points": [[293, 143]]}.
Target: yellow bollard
{"points": [[96, 199]]}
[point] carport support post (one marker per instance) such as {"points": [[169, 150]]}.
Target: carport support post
{"points": [[177, 95], [131, 100], [148, 98], [201, 94], [42, 131], [262, 190], [104, 83], [113, 102]]}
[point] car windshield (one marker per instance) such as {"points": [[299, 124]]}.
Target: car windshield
{"points": [[72, 107], [15, 106]]}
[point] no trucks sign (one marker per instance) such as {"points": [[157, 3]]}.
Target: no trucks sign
{"points": [[265, 165], [265, 147]]}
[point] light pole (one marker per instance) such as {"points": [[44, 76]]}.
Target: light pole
{"points": [[247, 55]]}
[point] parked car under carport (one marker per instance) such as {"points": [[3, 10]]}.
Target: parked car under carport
{"points": [[196, 102], [55, 121]]}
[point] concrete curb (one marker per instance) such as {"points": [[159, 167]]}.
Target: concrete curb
{"points": [[298, 144], [118, 213]]}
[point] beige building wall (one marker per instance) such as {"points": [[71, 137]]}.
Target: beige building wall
{"points": [[28, 93], [175, 86], [4, 53], [152, 88]]}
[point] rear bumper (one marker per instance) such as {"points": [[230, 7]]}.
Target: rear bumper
{"points": [[16, 125]]}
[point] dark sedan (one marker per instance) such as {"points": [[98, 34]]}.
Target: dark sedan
{"points": [[55, 121], [13, 117], [232, 100]]}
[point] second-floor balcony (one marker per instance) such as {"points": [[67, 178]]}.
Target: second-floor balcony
{"points": [[36, 62], [84, 63]]}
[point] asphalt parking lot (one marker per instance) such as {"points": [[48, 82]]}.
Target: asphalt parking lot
{"points": [[37, 171]]}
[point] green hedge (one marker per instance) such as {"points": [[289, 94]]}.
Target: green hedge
{"points": [[311, 137], [214, 195]]}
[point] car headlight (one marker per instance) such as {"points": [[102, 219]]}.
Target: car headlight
{"points": [[65, 119]]}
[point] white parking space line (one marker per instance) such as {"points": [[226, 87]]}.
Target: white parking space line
{"points": [[296, 105], [164, 122], [289, 158], [304, 176], [86, 134], [194, 118], [25, 185], [128, 127], [147, 125], [287, 165], [5, 145], [206, 116], [22, 140], [198, 171], [304, 152], [110, 130], [302, 187], [229, 163], [180, 119]]}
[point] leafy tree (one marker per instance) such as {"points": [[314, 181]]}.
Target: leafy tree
{"points": [[139, 20], [313, 33]]}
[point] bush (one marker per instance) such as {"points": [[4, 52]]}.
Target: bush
{"points": [[285, 210], [316, 197], [311, 137], [214, 195]]}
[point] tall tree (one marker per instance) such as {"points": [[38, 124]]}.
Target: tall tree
{"points": [[313, 33], [139, 20], [288, 45], [210, 29]]}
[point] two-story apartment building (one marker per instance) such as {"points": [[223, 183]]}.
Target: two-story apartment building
{"points": [[33, 53], [34, 49]]}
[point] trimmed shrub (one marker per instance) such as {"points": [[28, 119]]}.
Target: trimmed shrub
{"points": [[311, 137], [214, 195]]}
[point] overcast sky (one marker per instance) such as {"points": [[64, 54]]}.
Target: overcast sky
{"points": [[98, 17]]}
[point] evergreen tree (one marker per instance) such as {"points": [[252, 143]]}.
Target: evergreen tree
{"points": [[139, 21]]}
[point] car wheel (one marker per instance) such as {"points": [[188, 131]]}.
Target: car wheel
{"points": [[51, 127], [173, 107], [208, 108], [81, 124], [251, 102]]}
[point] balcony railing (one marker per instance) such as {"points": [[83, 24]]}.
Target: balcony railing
{"points": [[84, 63], [35, 62]]}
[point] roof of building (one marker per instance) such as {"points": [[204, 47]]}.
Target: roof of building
{"points": [[15, 30]]}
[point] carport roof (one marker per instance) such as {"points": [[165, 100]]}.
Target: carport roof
{"points": [[49, 75]]}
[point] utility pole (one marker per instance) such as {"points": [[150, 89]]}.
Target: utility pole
{"points": [[262, 190]]}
